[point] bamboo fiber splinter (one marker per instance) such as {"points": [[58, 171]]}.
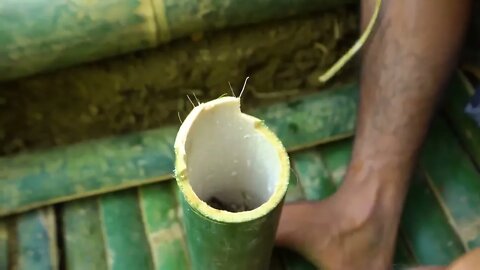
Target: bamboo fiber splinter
{"points": [[232, 173]]}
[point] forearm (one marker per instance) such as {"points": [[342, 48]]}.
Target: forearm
{"points": [[406, 65]]}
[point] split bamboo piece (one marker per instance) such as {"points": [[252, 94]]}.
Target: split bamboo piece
{"points": [[233, 173], [355, 48]]}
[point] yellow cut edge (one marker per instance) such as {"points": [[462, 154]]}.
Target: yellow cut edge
{"points": [[354, 49], [214, 214]]}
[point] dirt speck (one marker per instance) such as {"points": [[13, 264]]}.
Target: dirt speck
{"points": [[227, 206]]}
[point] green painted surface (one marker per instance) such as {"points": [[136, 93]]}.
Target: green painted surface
{"points": [[47, 35], [313, 119], [336, 156], [293, 261], [459, 95], [403, 256], [314, 177], [277, 260], [163, 226], [42, 178], [295, 189], [43, 35], [36, 240], [426, 228], [296, 192], [3, 245], [234, 246], [83, 237], [456, 181], [126, 240], [186, 16]]}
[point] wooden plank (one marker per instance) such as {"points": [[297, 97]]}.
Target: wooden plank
{"points": [[126, 240], [35, 239], [83, 235], [164, 229], [3, 244], [455, 181], [31, 180]]}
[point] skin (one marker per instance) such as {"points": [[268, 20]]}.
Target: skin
{"points": [[405, 67]]}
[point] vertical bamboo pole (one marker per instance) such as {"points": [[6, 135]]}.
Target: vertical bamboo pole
{"points": [[233, 173]]}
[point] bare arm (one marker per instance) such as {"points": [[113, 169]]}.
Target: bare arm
{"points": [[405, 67]]}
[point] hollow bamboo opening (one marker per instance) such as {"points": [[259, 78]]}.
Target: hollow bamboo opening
{"points": [[231, 165], [230, 161]]}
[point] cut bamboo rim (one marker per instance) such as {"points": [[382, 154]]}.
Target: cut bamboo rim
{"points": [[223, 152]]}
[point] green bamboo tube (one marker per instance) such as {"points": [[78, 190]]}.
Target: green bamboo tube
{"points": [[232, 173], [42, 35]]}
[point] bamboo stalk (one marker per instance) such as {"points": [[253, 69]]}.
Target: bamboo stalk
{"points": [[35, 237], [31, 180], [83, 235], [233, 173], [47, 35]]}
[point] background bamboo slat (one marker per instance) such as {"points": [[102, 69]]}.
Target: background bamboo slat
{"points": [[313, 176], [455, 181], [164, 227], [124, 228], [97, 167], [426, 227], [465, 128], [29, 181], [83, 236], [34, 241], [48, 35]]}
